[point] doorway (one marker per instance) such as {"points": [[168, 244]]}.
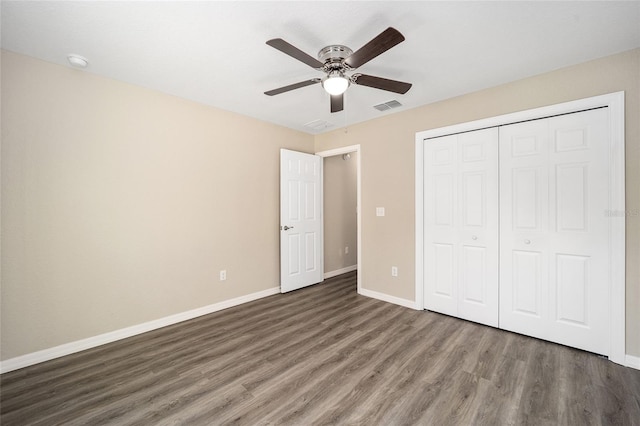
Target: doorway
{"points": [[339, 229]]}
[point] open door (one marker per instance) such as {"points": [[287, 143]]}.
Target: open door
{"points": [[301, 235]]}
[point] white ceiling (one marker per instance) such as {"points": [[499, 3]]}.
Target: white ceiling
{"points": [[215, 52]]}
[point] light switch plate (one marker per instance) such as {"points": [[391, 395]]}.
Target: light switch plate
{"points": [[379, 211]]}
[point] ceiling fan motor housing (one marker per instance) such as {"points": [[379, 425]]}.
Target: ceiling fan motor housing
{"points": [[333, 57]]}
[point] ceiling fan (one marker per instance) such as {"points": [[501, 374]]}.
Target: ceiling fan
{"points": [[337, 60]]}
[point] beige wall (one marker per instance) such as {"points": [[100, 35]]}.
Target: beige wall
{"points": [[120, 205], [388, 169], [340, 218]]}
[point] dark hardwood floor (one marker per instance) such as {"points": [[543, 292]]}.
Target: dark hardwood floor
{"points": [[324, 355]]}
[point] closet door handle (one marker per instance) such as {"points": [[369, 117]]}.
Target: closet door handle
{"points": [[474, 237], [527, 241]]}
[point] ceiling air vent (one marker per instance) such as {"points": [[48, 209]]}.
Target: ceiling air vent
{"points": [[318, 125], [385, 106]]}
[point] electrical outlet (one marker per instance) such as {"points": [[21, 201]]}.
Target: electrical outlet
{"points": [[346, 250], [394, 271], [223, 275]]}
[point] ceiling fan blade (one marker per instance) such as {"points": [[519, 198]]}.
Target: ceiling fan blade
{"points": [[337, 103], [292, 87], [380, 44], [294, 52], [381, 83]]}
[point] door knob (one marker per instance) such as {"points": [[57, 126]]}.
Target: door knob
{"points": [[527, 241], [286, 228], [474, 237]]}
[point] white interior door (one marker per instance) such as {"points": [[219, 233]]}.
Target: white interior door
{"points": [[554, 252], [301, 237], [461, 225]]}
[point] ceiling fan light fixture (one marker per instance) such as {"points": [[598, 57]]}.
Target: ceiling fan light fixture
{"points": [[335, 83]]}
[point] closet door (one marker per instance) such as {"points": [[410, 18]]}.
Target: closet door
{"points": [[461, 226], [554, 267]]}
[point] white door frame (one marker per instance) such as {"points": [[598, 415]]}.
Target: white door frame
{"points": [[346, 150], [615, 209]]}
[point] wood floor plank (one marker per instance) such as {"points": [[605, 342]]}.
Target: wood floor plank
{"points": [[457, 402], [376, 394], [342, 394], [540, 399], [577, 408], [323, 355], [502, 393], [343, 361]]}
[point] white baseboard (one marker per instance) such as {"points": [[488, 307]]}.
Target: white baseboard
{"points": [[387, 298], [341, 271], [632, 361], [92, 342]]}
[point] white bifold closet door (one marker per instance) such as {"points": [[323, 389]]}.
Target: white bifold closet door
{"points": [[461, 225], [554, 253]]}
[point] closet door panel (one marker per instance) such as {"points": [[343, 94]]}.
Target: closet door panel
{"points": [[473, 201], [526, 198], [443, 272], [579, 230], [443, 206], [524, 201], [461, 226], [473, 284], [441, 237], [527, 283], [553, 180], [478, 226]]}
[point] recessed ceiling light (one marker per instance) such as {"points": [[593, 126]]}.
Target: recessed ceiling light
{"points": [[77, 61]]}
